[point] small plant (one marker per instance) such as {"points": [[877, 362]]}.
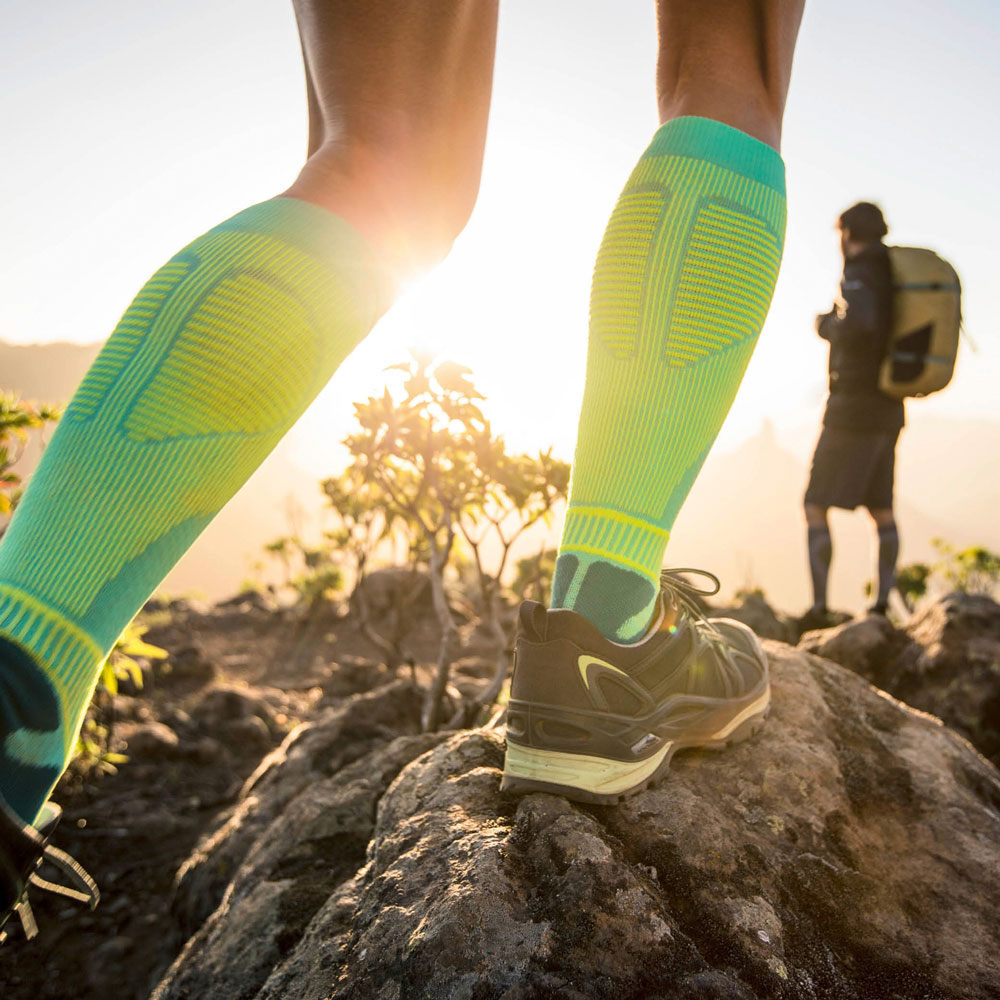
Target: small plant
{"points": [[17, 419], [94, 742], [911, 582], [975, 569]]}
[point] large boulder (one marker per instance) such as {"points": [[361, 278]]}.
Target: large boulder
{"points": [[946, 662], [850, 850]]}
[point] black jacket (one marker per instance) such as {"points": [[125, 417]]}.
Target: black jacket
{"points": [[858, 332]]}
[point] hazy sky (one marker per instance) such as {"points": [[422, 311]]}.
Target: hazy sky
{"points": [[130, 128]]}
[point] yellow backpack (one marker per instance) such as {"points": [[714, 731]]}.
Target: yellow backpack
{"points": [[926, 325]]}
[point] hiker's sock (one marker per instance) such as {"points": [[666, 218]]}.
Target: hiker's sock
{"points": [[212, 363], [681, 287], [888, 553], [820, 555]]}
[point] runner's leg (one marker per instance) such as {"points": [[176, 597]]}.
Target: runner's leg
{"points": [[225, 347], [681, 287]]}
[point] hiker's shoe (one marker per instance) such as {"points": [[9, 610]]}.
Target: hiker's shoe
{"points": [[23, 850], [596, 720], [817, 617]]}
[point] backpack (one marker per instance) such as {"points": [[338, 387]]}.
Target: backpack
{"points": [[926, 324]]}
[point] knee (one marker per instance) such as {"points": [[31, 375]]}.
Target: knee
{"points": [[815, 515], [884, 519], [411, 203]]}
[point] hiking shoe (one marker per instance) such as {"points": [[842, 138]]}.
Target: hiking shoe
{"points": [[817, 617], [23, 849], [596, 720]]}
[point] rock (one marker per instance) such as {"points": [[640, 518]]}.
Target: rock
{"points": [[753, 610], [207, 751], [310, 753], [150, 740], [225, 703], [189, 663], [849, 851], [397, 589], [247, 601], [247, 735], [156, 823], [870, 646], [947, 662], [953, 670]]}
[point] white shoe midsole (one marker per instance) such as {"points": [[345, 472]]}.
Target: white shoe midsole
{"points": [[598, 774], [592, 774]]}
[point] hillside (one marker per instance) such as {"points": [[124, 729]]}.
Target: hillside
{"points": [[743, 519]]}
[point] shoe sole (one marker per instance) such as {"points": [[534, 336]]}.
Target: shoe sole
{"points": [[603, 781]]}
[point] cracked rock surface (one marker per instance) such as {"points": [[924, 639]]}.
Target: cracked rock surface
{"points": [[946, 661], [851, 850]]}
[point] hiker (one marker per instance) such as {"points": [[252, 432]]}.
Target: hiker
{"points": [[854, 461], [232, 338]]}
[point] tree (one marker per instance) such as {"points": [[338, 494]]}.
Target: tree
{"points": [[533, 580], [512, 494], [422, 454], [364, 522]]}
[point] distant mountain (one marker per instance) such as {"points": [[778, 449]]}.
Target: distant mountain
{"points": [[47, 373], [743, 519]]}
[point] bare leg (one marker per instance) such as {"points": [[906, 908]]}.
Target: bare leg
{"points": [[227, 345], [729, 60], [399, 101]]}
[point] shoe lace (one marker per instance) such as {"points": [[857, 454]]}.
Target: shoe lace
{"points": [[685, 594], [83, 889]]}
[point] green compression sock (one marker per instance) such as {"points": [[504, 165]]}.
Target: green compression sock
{"points": [[212, 363], [681, 287]]}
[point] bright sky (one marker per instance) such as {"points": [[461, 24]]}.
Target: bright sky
{"points": [[131, 127]]}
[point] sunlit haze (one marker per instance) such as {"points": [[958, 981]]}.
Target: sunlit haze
{"points": [[132, 128]]}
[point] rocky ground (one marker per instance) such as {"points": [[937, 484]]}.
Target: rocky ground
{"points": [[283, 830]]}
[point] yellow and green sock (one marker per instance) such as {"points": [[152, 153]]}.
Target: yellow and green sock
{"points": [[213, 362], [681, 288]]}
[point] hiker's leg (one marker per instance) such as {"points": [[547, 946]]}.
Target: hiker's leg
{"points": [[820, 552], [888, 553], [681, 287], [226, 346], [400, 99]]}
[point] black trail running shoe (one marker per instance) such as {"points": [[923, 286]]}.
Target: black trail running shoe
{"points": [[596, 721], [23, 849]]}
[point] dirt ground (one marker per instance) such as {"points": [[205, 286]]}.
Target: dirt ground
{"points": [[239, 678]]}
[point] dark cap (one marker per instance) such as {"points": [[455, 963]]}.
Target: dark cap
{"points": [[864, 221]]}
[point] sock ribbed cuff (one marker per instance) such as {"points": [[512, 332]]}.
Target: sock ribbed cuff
{"points": [[619, 538], [723, 145], [67, 655]]}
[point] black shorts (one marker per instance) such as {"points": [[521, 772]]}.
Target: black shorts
{"points": [[853, 469]]}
